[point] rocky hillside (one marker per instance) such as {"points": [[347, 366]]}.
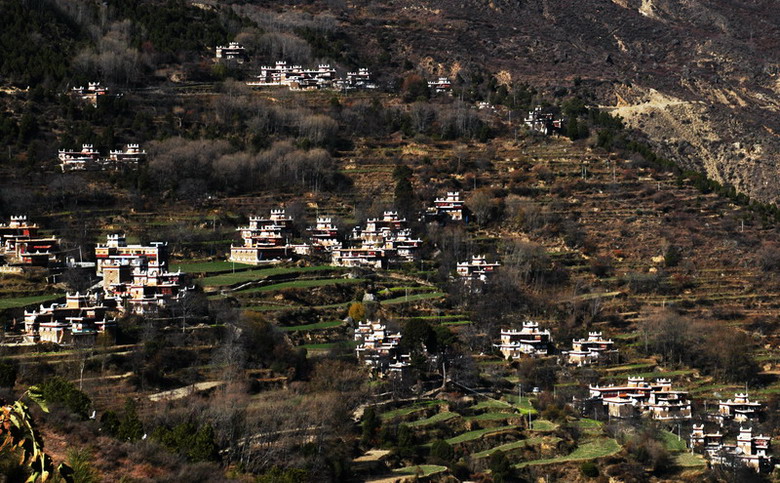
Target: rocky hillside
{"points": [[699, 78]]}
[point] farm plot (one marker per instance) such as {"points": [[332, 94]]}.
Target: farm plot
{"points": [[591, 450], [505, 448], [258, 274], [16, 302]]}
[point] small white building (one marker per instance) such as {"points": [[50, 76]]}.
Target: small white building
{"points": [[739, 409], [706, 443], [266, 240], [91, 94], [232, 51], [131, 155], [657, 400], [378, 348], [751, 450], [325, 234], [543, 122], [441, 85], [530, 340], [476, 269], [590, 350]]}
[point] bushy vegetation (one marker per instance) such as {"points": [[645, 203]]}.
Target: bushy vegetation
{"points": [[59, 391]]}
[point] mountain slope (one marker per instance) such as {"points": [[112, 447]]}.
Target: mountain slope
{"points": [[700, 78]]}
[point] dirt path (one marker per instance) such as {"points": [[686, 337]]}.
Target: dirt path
{"points": [[185, 391]]}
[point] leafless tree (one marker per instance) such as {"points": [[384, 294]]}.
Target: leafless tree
{"points": [[318, 128]]}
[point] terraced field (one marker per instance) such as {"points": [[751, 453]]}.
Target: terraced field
{"points": [[17, 302], [588, 451], [255, 275]]}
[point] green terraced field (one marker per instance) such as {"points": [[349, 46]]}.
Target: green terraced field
{"points": [[418, 288], [689, 460], [317, 326], [517, 444], [672, 442], [259, 274], [405, 411], [491, 404], [493, 416], [327, 345], [413, 298], [16, 302], [589, 425], [476, 434], [456, 322], [320, 282], [524, 406], [543, 425], [436, 418], [586, 451], [207, 267]]}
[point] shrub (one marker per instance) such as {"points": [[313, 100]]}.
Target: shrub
{"points": [[500, 467], [130, 427], [8, 374], [589, 469], [197, 443], [442, 451], [59, 391]]}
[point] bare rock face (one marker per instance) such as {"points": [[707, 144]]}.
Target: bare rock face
{"points": [[699, 77]]}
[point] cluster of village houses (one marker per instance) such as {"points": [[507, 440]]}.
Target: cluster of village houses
{"points": [[90, 159], [380, 243], [91, 94], [296, 77], [543, 122], [379, 348], [655, 400], [135, 280], [22, 246]]}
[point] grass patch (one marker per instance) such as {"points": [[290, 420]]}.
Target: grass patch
{"points": [[521, 404], [672, 443], [515, 445], [588, 425], [208, 267], [16, 302], [630, 367], [317, 326], [588, 451], [259, 274], [456, 322], [320, 282], [490, 404], [405, 411], [413, 298], [436, 418], [476, 434], [418, 288], [543, 425], [494, 416], [689, 460], [327, 345]]}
